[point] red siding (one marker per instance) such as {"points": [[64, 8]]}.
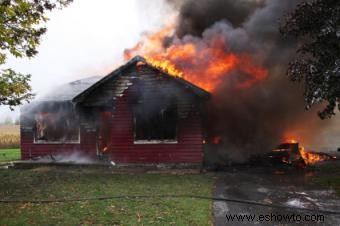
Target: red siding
{"points": [[87, 146], [189, 148]]}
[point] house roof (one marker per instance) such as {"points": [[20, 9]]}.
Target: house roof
{"points": [[68, 91], [118, 72]]}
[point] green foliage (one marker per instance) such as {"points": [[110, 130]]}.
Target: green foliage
{"points": [[316, 25], [21, 25], [14, 88]]}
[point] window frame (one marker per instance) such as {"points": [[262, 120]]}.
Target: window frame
{"points": [[154, 141], [35, 141], [56, 142]]}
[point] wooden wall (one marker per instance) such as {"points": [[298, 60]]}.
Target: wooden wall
{"points": [[118, 95], [29, 149], [188, 149]]}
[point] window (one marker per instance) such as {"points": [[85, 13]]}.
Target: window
{"points": [[56, 127], [156, 126]]}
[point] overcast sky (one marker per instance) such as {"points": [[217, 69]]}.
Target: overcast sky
{"points": [[85, 39]]}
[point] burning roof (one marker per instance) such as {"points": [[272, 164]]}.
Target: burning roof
{"points": [[77, 89], [133, 62], [205, 63]]}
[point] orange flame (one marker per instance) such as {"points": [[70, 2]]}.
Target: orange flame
{"points": [[309, 157], [216, 140], [204, 63], [312, 157], [290, 141]]}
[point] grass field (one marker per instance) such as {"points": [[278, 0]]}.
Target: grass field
{"points": [[9, 154], [328, 175], [329, 180], [49, 183], [9, 136]]}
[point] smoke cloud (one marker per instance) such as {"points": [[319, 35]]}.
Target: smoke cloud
{"points": [[76, 157], [255, 119], [196, 16]]}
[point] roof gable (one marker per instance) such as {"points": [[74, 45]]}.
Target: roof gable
{"points": [[118, 72]]}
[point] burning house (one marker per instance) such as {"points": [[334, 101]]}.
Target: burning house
{"points": [[150, 111], [136, 114]]}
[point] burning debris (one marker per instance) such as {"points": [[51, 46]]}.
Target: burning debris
{"points": [[289, 152]]}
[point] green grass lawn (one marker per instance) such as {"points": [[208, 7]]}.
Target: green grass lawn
{"points": [[328, 175], [50, 183], [9, 154], [329, 180]]}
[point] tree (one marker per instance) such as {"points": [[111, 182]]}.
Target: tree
{"points": [[316, 25], [21, 27]]}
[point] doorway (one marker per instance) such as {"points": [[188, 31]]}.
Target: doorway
{"points": [[104, 134]]}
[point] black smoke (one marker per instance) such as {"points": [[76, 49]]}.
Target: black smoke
{"points": [[196, 16], [252, 120]]}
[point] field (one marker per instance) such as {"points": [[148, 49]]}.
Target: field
{"points": [[9, 136], [52, 183], [9, 154], [328, 175]]}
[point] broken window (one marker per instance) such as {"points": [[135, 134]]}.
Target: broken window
{"points": [[156, 124], [60, 126]]}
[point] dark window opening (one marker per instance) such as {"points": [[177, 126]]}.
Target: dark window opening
{"points": [[156, 125], [61, 127]]}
